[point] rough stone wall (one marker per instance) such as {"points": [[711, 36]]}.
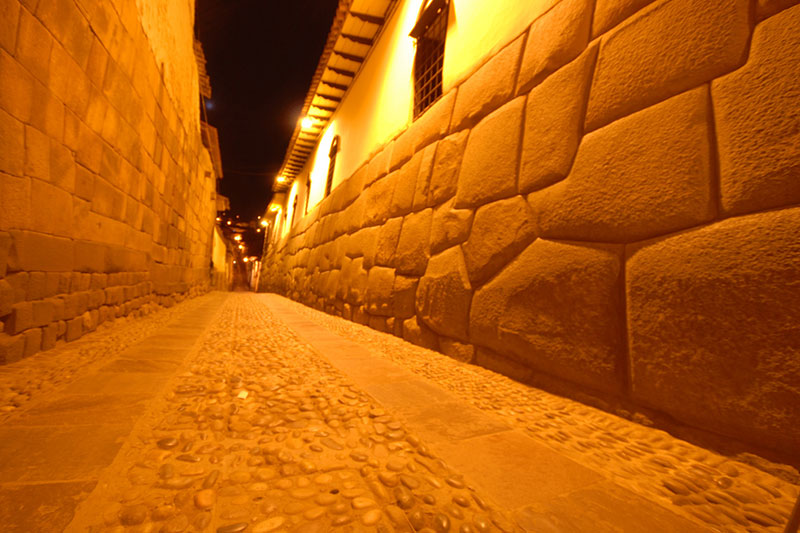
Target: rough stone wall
{"points": [[107, 195], [608, 206]]}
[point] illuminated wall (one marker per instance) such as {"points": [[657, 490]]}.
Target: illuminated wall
{"points": [[107, 191], [604, 202]]}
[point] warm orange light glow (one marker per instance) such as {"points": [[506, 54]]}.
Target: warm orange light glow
{"points": [[241, 246], [264, 223], [307, 123], [258, 230], [275, 208], [218, 219], [229, 222], [246, 259], [281, 179], [237, 237]]}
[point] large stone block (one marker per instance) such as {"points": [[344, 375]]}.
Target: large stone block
{"points": [[378, 166], [767, 8], [62, 167], [67, 23], [21, 318], [402, 149], [378, 200], [5, 247], [419, 334], [37, 154], [423, 181], [388, 235], [405, 185], [554, 116], [107, 199], [37, 285], [444, 295], [34, 43], [499, 232], [49, 336], [36, 251], [609, 13], [556, 308], [380, 283], [363, 243], [555, 39], [68, 81], [354, 280], [11, 348], [450, 227], [667, 48], [89, 256], [757, 111], [489, 88], [457, 350], [444, 175], [644, 175], [489, 168], [74, 329], [33, 341], [48, 113], [43, 312], [9, 22], [16, 196], [351, 188], [404, 296], [434, 123], [714, 327], [97, 61], [412, 252], [19, 281], [12, 139], [6, 297], [16, 88], [51, 209]]}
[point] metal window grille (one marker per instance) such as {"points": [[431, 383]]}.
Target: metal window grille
{"points": [[430, 32]]}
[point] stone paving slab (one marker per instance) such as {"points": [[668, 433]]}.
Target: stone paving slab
{"points": [[41, 507], [58, 453], [82, 409]]}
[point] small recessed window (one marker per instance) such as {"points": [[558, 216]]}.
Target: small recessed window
{"points": [[430, 33], [332, 164], [294, 209], [308, 193]]}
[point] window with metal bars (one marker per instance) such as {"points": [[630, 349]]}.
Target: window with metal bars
{"points": [[430, 33]]}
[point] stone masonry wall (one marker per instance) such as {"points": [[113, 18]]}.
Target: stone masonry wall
{"points": [[106, 192], [610, 207]]}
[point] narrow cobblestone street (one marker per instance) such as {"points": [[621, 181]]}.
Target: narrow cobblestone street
{"points": [[249, 412]]}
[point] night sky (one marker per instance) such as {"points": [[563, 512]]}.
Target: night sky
{"points": [[261, 57]]}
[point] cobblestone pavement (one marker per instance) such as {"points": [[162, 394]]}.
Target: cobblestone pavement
{"points": [[262, 426]]}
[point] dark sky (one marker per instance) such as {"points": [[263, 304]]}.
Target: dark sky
{"points": [[261, 57]]}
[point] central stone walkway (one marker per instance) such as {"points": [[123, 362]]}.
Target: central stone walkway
{"points": [[253, 413]]}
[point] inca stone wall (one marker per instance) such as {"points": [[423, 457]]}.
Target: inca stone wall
{"points": [[107, 192], [609, 206]]}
